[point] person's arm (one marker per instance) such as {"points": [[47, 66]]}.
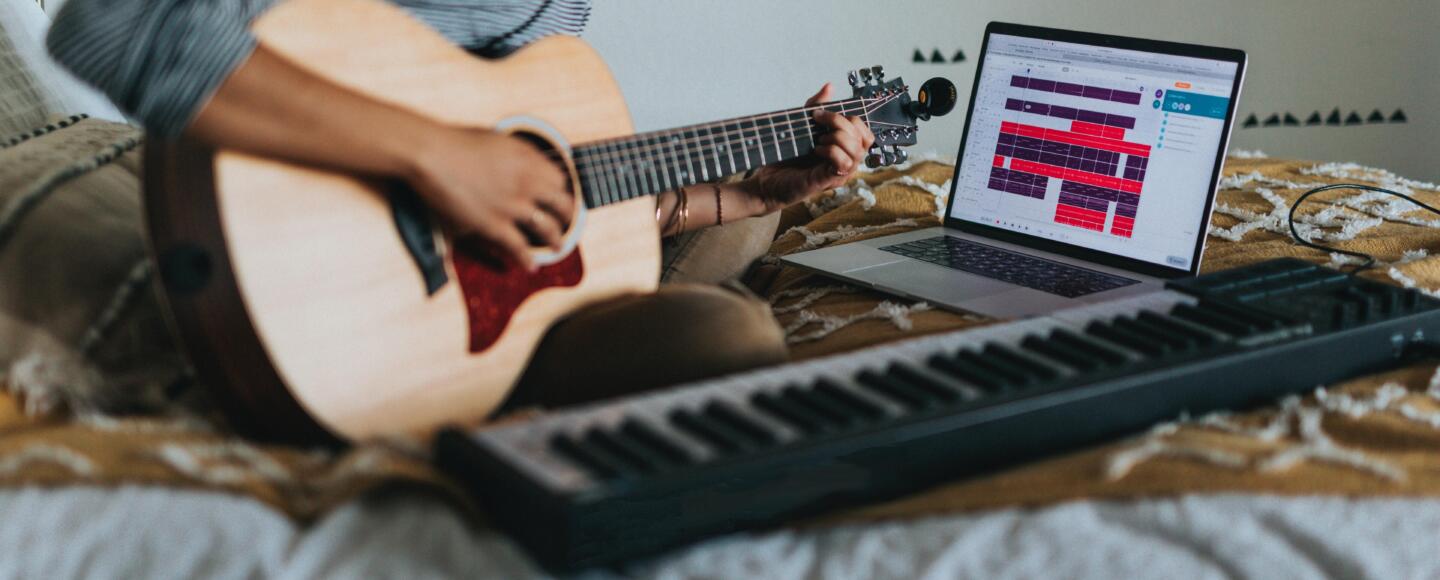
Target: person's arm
{"points": [[484, 182], [837, 156], [163, 67]]}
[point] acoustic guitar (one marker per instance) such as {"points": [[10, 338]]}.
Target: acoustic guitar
{"points": [[327, 307]]}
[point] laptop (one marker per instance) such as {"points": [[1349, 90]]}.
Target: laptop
{"points": [[1087, 170]]}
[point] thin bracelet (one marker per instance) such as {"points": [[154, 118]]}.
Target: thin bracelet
{"points": [[684, 211], [680, 197], [719, 207]]}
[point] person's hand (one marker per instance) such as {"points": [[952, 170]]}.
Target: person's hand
{"points": [[837, 156], [495, 186]]}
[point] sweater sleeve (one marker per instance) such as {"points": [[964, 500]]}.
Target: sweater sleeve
{"points": [[159, 60]]}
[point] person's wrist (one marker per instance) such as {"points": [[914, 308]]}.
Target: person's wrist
{"points": [[750, 197], [418, 147]]}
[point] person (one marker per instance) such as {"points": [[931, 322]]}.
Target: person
{"points": [[193, 67]]}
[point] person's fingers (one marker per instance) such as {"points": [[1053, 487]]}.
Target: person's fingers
{"points": [[544, 227], [867, 137], [560, 205], [838, 158], [509, 237], [849, 145], [820, 97]]}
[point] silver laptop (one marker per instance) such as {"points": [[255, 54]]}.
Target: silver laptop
{"points": [[1087, 170]]}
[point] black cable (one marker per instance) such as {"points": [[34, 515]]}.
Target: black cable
{"points": [[1369, 259]]}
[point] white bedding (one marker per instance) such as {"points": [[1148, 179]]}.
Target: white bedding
{"points": [[159, 533]]}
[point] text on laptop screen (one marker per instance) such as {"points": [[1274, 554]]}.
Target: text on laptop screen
{"points": [[1108, 149]]}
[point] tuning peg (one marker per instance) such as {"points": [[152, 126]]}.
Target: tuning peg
{"points": [[879, 73], [866, 75], [854, 78], [874, 160], [889, 158], [901, 156]]}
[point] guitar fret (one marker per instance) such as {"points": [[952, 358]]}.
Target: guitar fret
{"points": [[648, 159], [700, 146], [588, 188], [686, 172], [777, 134], [587, 155], [631, 184], [745, 126], [653, 143], [651, 163], [612, 164]]}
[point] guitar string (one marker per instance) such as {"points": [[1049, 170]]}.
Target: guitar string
{"points": [[589, 150], [867, 106], [709, 144], [604, 172]]}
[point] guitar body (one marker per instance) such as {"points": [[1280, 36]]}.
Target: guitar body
{"points": [[292, 287]]}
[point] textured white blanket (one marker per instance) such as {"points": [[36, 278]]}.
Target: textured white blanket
{"points": [[158, 533]]}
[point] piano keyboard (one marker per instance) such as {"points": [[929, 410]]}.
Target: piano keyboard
{"points": [[622, 478]]}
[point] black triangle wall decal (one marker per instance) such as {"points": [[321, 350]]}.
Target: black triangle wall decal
{"points": [[1291, 121], [1334, 118], [936, 57], [1252, 121], [1314, 119], [1375, 117], [919, 56], [1272, 120], [1354, 119], [959, 57], [1399, 116]]}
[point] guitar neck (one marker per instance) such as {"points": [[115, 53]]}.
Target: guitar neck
{"points": [[617, 170]]}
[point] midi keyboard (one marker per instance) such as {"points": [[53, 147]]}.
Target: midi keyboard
{"points": [[630, 477]]}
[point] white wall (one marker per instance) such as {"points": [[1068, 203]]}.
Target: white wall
{"points": [[685, 61]]}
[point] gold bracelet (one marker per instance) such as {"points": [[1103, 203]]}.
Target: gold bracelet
{"points": [[719, 207], [674, 213], [684, 211]]}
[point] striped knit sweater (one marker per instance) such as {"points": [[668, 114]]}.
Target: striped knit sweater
{"points": [[160, 60]]}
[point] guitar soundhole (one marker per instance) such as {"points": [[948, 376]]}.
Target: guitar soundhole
{"points": [[494, 285]]}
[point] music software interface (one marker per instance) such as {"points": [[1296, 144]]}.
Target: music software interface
{"points": [[1103, 148]]}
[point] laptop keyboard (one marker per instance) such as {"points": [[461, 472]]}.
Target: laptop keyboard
{"points": [[1013, 267]]}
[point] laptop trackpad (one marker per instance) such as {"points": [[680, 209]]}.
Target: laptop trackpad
{"points": [[918, 279]]}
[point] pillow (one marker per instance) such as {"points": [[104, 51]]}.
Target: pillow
{"points": [[33, 88], [80, 324]]}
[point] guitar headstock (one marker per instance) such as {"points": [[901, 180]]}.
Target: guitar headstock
{"points": [[893, 116]]}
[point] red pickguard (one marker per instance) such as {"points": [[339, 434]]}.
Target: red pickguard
{"points": [[494, 286]]}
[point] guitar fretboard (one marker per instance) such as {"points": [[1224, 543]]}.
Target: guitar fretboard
{"points": [[617, 170]]}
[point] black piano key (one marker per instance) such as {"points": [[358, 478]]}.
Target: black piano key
{"points": [[1213, 320], [728, 415], [1014, 377], [1061, 353], [636, 456], [1201, 337], [828, 389], [1175, 340], [719, 436], [1099, 351], [1127, 339], [968, 372], [892, 389], [1255, 319], [599, 463], [916, 378], [790, 413], [832, 411], [643, 434], [1037, 369]]}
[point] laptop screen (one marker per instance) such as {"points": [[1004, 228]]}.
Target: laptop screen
{"points": [[1108, 149]]}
